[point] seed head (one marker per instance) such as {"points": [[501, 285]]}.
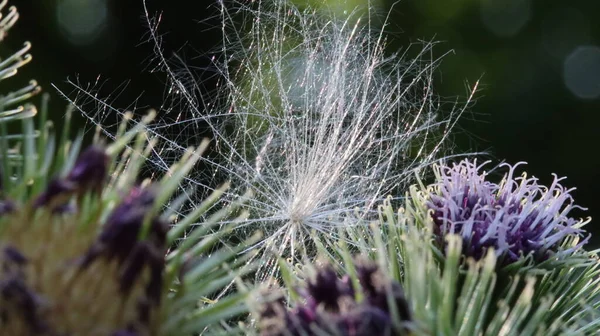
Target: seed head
{"points": [[100, 268], [317, 124]]}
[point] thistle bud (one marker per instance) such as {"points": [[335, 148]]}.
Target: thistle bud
{"points": [[329, 306]]}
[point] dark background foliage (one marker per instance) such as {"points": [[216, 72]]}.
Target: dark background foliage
{"points": [[537, 62]]}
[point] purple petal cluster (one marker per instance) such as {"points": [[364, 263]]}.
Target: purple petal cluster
{"points": [[517, 217], [329, 307], [119, 240]]}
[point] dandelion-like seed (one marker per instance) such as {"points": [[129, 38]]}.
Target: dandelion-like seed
{"points": [[517, 218], [312, 115]]}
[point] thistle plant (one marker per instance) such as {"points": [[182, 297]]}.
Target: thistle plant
{"points": [[321, 125], [458, 295], [92, 252], [11, 104], [515, 240]]}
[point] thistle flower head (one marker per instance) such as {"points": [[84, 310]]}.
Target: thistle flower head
{"points": [[46, 291], [108, 266], [517, 217], [329, 306], [451, 294]]}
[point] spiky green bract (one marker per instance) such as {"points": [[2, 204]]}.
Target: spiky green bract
{"points": [[13, 106], [94, 252]]}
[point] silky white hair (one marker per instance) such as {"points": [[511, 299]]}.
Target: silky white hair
{"points": [[312, 115]]}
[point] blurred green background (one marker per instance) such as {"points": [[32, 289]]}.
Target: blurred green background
{"points": [[537, 62]]}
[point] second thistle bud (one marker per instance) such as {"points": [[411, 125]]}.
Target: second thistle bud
{"points": [[330, 307]]}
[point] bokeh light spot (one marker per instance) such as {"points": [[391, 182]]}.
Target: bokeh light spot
{"points": [[505, 18], [582, 72], [82, 22]]}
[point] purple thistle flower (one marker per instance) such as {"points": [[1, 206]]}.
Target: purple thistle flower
{"points": [[21, 299], [12, 256], [517, 217], [120, 233], [366, 321], [374, 282], [327, 289], [82, 256], [330, 306], [17, 300]]}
